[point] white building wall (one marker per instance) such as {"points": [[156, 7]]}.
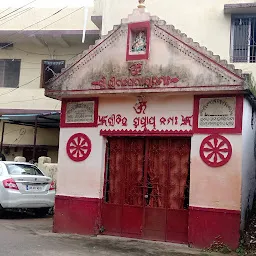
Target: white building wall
{"points": [[203, 21], [81, 179], [249, 162], [85, 179], [218, 188]]}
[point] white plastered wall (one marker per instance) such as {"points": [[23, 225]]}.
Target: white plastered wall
{"points": [[85, 179], [220, 187], [203, 21], [210, 187], [249, 162]]}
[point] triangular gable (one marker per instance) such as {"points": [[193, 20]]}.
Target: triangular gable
{"points": [[171, 62]]}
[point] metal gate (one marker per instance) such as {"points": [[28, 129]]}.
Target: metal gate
{"points": [[146, 188]]}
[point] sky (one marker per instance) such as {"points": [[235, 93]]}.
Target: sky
{"points": [[45, 3]]}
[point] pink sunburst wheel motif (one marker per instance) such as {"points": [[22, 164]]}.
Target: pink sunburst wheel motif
{"points": [[215, 150], [79, 147]]}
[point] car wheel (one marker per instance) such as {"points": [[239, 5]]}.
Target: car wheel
{"points": [[2, 212], [51, 211], [41, 212]]}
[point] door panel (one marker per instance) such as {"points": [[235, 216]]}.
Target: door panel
{"points": [[133, 177], [179, 153], [154, 224], [177, 226], [146, 188], [157, 175], [115, 170], [156, 172], [112, 205], [124, 186], [132, 221], [111, 219], [178, 191], [133, 187]]}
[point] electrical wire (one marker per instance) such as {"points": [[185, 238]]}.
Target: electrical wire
{"points": [[14, 14], [42, 54], [17, 15], [22, 100], [28, 35], [39, 63], [20, 31], [5, 10], [18, 9], [19, 86]]}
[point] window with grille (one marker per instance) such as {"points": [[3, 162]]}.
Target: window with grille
{"points": [[50, 68], [9, 73]]}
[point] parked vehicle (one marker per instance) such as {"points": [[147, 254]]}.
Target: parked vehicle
{"points": [[24, 186]]}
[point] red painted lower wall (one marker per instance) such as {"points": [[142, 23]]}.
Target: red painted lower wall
{"points": [[77, 215], [207, 225]]}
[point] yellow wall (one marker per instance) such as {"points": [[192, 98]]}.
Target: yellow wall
{"points": [[30, 95], [24, 135], [21, 136]]}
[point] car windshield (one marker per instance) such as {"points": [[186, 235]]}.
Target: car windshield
{"points": [[23, 169]]}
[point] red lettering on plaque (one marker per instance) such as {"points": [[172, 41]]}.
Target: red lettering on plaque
{"points": [[137, 81], [186, 120], [144, 122], [112, 120], [135, 69], [173, 120], [140, 106]]}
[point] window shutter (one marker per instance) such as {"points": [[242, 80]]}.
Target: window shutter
{"points": [[12, 73], [241, 28], [50, 69], [2, 64]]}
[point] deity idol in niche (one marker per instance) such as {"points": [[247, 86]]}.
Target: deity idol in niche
{"points": [[140, 42]]}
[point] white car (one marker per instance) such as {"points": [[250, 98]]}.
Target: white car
{"points": [[24, 186]]}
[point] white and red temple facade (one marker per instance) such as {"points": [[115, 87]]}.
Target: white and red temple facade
{"points": [[156, 139]]}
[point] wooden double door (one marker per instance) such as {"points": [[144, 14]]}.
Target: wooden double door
{"points": [[146, 188]]}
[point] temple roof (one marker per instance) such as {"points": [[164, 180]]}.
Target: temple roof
{"points": [[171, 54]]}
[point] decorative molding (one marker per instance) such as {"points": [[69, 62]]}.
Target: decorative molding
{"points": [[64, 124], [185, 133], [89, 54], [76, 93], [229, 76], [199, 54], [133, 27], [79, 147], [238, 115], [215, 150]]}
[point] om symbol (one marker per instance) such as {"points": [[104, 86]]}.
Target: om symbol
{"points": [[141, 106]]}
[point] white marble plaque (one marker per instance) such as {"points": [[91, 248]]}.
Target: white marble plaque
{"points": [[80, 112], [217, 112]]}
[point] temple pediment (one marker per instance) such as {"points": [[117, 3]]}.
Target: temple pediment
{"points": [[143, 54]]}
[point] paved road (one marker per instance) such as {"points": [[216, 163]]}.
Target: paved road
{"points": [[22, 235]]}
